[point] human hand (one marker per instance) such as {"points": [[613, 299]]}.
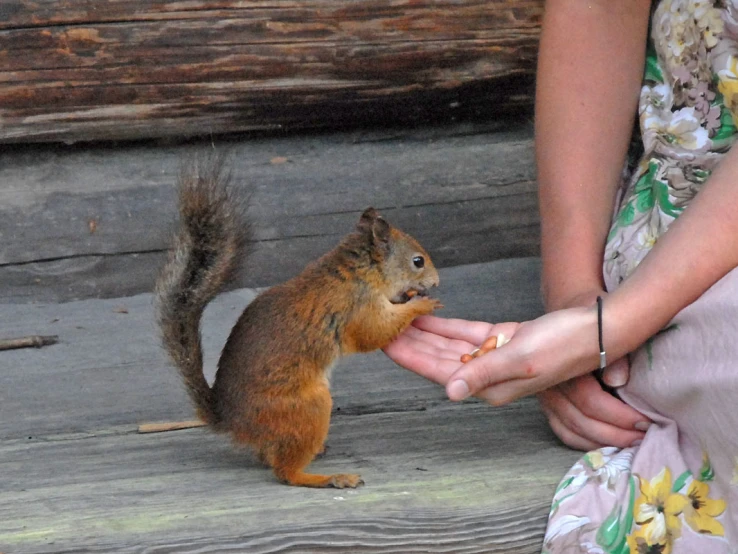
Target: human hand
{"points": [[534, 359], [541, 353], [580, 413], [585, 416], [432, 346]]}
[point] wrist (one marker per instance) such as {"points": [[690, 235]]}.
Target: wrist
{"points": [[600, 341], [586, 346], [623, 329]]}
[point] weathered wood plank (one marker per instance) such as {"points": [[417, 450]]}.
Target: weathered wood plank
{"points": [[453, 479], [112, 70], [90, 222]]}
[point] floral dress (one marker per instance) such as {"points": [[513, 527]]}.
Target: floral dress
{"points": [[676, 492]]}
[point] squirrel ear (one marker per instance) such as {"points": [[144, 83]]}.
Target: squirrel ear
{"points": [[371, 223], [367, 219], [381, 231]]}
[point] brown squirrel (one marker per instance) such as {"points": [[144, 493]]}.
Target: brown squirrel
{"points": [[271, 390]]}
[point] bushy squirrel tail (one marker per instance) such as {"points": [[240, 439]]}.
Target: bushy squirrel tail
{"points": [[208, 249]]}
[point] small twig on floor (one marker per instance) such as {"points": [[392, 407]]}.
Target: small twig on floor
{"points": [[33, 341], [169, 426]]}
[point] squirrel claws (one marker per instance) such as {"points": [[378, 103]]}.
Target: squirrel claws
{"points": [[346, 481], [425, 305], [435, 303]]}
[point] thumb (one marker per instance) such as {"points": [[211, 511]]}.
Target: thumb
{"points": [[474, 376], [617, 373]]}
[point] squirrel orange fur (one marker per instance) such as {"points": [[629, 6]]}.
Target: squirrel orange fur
{"points": [[271, 389]]}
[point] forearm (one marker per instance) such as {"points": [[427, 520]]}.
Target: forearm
{"points": [[699, 248], [589, 75]]}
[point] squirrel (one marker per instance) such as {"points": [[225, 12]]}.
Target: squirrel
{"points": [[271, 390]]}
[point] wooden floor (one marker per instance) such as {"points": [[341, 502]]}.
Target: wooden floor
{"points": [[76, 475]]}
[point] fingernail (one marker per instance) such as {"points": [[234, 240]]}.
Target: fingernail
{"points": [[642, 425], [458, 390], [636, 442], [616, 376]]}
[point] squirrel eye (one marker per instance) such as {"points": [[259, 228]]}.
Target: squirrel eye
{"points": [[419, 261]]}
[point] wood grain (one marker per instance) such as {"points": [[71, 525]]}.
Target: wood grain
{"points": [[435, 482], [73, 71], [441, 477], [80, 222]]}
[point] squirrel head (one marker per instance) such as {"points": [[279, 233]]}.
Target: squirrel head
{"points": [[407, 269]]}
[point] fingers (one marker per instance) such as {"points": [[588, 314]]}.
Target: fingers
{"points": [[506, 392], [432, 347], [580, 427], [587, 395], [567, 436], [427, 364], [617, 373], [441, 346], [473, 332], [492, 373]]}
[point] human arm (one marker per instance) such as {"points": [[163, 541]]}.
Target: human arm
{"points": [[698, 249], [584, 415], [590, 66], [589, 75]]}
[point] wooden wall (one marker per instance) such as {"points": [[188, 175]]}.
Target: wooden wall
{"points": [[129, 69]]}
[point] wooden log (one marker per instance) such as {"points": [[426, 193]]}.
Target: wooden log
{"points": [[135, 69]]}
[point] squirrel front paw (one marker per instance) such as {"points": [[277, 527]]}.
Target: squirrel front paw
{"points": [[424, 305]]}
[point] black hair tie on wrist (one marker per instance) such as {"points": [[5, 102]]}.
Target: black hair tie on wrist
{"points": [[603, 355]]}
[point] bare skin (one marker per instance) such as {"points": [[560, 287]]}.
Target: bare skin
{"points": [[577, 185]]}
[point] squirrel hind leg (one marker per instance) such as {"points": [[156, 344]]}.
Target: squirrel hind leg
{"points": [[288, 461], [293, 435], [299, 478]]}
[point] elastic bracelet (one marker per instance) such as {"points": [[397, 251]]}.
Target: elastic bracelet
{"points": [[603, 354]]}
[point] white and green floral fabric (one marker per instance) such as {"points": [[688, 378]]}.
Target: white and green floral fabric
{"points": [[677, 492]]}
